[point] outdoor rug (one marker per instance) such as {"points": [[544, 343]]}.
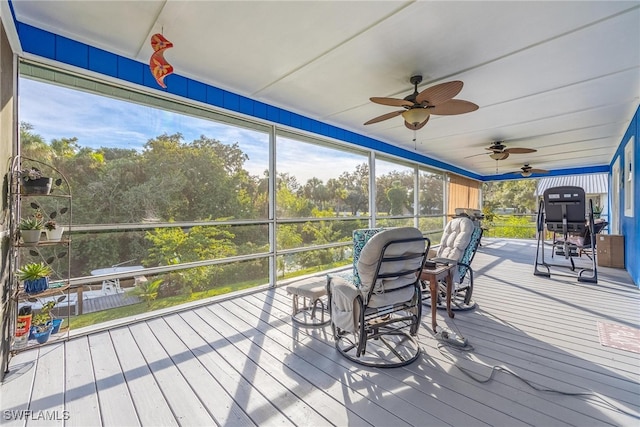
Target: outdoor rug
{"points": [[618, 336]]}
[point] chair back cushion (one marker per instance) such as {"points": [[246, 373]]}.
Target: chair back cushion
{"points": [[468, 254], [455, 239], [360, 238], [370, 257], [565, 209]]}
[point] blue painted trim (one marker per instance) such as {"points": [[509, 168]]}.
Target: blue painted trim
{"points": [[103, 62], [13, 14], [630, 226]]}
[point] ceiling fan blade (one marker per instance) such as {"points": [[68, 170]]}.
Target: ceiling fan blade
{"points": [[453, 107], [394, 102], [385, 117], [476, 155], [538, 171], [439, 94], [520, 150], [418, 126]]}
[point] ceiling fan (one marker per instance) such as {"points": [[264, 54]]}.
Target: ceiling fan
{"points": [[418, 106], [499, 151], [526, 171]]}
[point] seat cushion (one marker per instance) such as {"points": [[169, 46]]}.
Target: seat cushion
{"points": [[370, 256], [455, 239]]}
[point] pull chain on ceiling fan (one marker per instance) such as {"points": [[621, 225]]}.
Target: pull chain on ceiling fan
{"points": [[419, 106]]}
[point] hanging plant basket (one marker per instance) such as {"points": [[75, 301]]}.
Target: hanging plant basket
{"points": [[37, 186]]}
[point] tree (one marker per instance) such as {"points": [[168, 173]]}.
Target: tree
{"points": [[356, 188], [33, 145], [316, 192], [516, 194], [65, 147], [387, 181], [397, 196], [431, 194], [174, 246]]}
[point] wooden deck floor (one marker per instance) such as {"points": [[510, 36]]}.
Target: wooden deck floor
{"points": [[242, 362]]}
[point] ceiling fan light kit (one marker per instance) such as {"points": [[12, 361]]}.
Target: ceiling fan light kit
{"points": [[415, 116], [499, 156]]}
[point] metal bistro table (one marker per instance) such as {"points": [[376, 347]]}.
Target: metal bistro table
{"points": [[433, 275]]}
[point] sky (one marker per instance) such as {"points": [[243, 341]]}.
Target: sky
{"points": [[98, 121]]}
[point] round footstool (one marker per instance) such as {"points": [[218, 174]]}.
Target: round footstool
{"points": [[312, 311]]}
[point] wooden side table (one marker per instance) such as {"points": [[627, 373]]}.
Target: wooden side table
{"points": [[433, 276]]}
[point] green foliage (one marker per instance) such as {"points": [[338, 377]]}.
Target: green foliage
{"points": [[431, 194], [352, 189], [397, 196], [33, 145], [147, 290], [30, 223], [514, 227], [174, 246], [42, 318], [175, 180], [516, 194], [33, 271]]}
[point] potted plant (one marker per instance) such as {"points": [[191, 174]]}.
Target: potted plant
{"points": [[30, 230], [54, 231], [597, 211], [41, 323], [44, 323], [35, 277], [33, 182]]}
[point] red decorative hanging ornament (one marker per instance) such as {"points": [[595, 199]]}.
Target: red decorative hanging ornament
{"points": [[159, 66]]}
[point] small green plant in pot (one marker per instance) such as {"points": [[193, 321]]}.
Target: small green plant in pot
{"points": [[35, 277], [44, 322], [597, 211], [54, 231], [30, 230], [43, 319]]}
